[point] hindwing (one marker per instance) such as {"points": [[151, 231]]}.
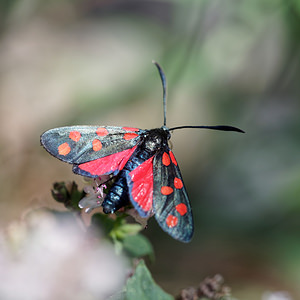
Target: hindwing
{"points": [[171, 205], [140, 186]]}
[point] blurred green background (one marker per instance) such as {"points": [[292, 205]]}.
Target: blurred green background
{"points": [[228, 62]]}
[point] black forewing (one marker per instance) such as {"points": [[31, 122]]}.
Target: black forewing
{"points": [[172, 210], [78, 144]]}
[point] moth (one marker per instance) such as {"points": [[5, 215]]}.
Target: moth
{"points": [[146, 173]]}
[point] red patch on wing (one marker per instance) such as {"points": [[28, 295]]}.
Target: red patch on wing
{"points": [[97, 145], [142, 185], [178, 183], [129, 136], [166, 159], [173, 158], [75, 136], [130, 129], [166, 190], [171, 221], [181, 208], [101, 131], [64, 149], [107, 164]]}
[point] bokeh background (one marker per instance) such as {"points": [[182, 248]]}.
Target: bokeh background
{"points": [[233, 62]]}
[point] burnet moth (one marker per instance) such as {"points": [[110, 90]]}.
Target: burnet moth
{"points": [[144, 167]]}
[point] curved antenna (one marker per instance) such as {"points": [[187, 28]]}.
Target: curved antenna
{"points": [[217, 127], [164, 85]]}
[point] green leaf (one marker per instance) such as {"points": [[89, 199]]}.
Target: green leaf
{"points": [[124, 230], [131, 228], [141, 286], [105, 222], [138, 246]]}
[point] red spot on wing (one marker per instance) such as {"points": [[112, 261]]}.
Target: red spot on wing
{"points": [[64, 149], [166, 190], [181, 208], [130, 129], [178, 183], [173, 158], [166, 159], [97, 145], [142, 185], [129, 136], [75, 136], [101, 131], [107, 164], [171, 221]]}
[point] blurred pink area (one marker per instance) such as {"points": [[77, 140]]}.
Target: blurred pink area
{"points": [[44, 259]]}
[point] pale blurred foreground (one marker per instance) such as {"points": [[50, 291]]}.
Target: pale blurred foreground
{"points": [[47, 257]]}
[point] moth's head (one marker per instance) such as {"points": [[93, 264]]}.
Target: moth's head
{"points": [[156, 138], [166, 131]]}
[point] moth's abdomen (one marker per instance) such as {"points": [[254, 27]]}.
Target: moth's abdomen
{"points": [[117, 196]]}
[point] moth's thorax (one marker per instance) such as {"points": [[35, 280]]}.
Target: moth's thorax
{"points": [[156, 138]]}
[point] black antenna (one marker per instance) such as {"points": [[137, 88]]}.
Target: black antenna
{"points": [[164, 85], [217, 127]]}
